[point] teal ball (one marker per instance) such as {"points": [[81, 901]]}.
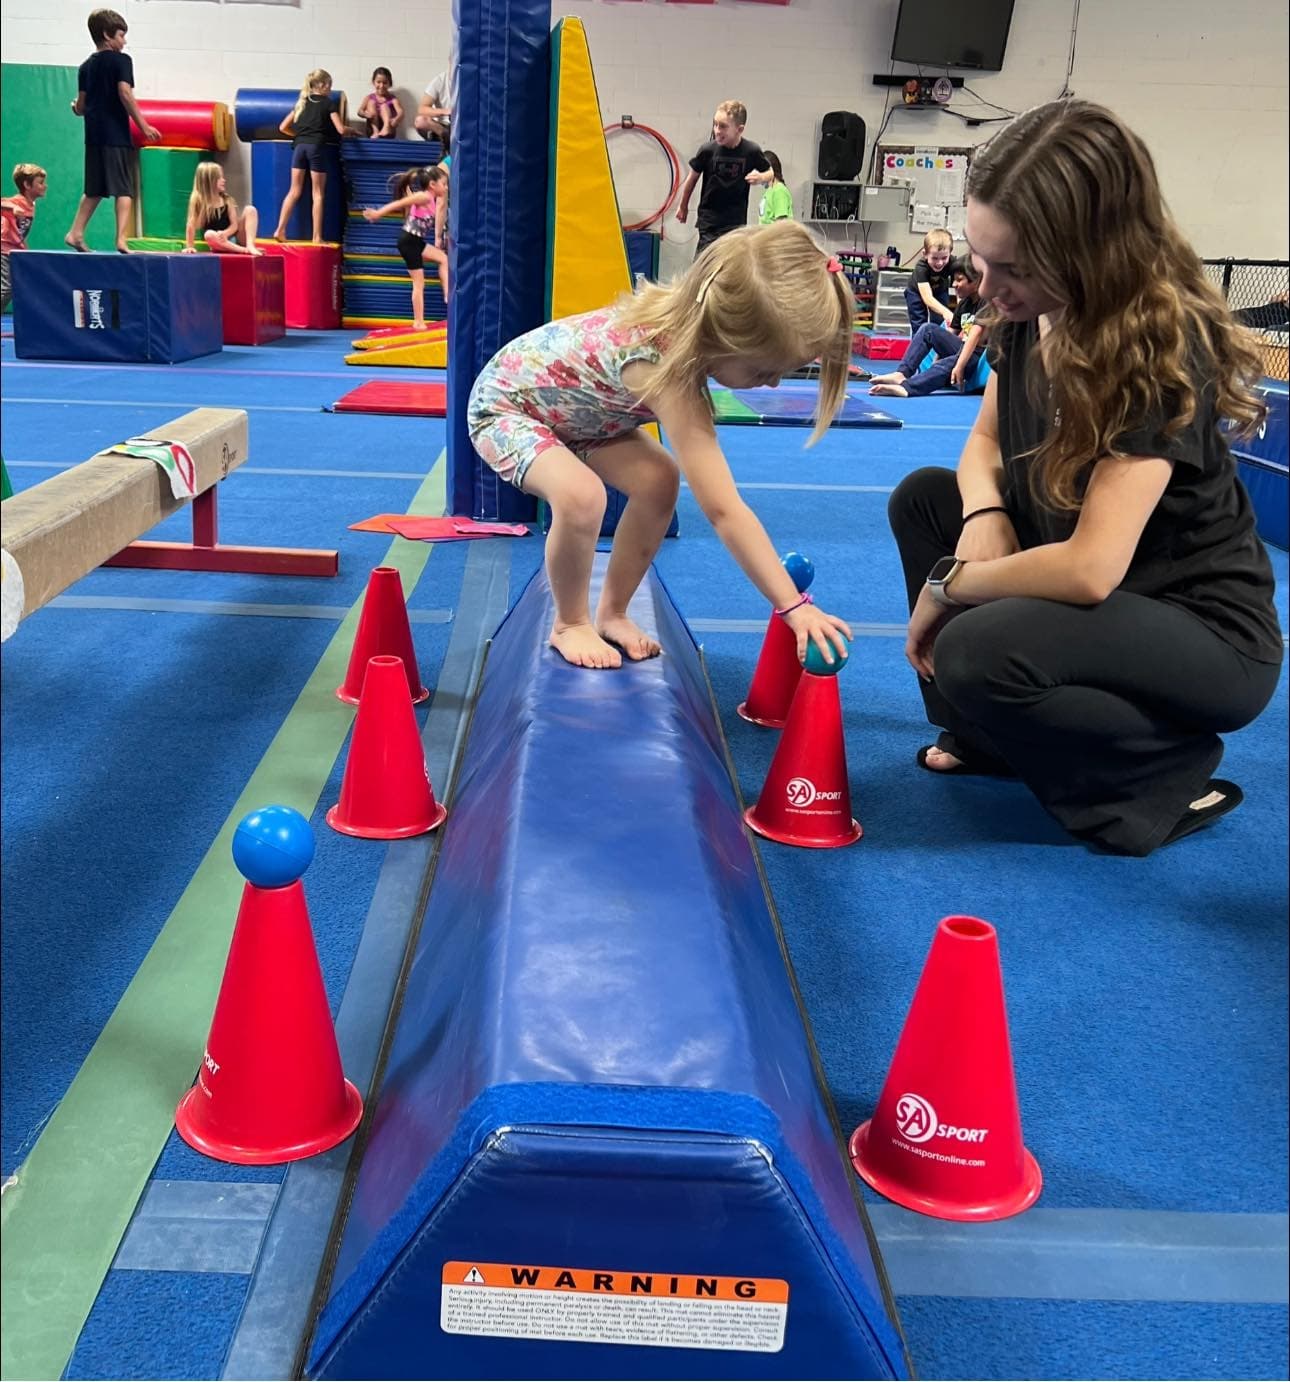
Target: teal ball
{"points": [[816, 664]]}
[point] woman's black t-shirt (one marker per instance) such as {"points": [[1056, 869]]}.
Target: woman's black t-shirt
{"points": [[313, 125], [1199, 550]]}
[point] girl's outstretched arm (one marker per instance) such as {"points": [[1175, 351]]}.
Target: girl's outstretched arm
{"points": [[689, 428], [402, 204]]}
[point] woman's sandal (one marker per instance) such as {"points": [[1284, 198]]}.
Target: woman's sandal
{"points": [[1220, 797]]}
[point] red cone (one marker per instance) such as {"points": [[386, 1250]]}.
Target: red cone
{"points": [[385, 793], [806, 799], [383, 630], [774, 678], [270, 1088], [945, 1138]]}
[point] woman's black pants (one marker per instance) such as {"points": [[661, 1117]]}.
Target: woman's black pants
{"points": [[1109, 713]]}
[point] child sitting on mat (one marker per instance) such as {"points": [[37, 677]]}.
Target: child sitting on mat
{"points": [[214, 215], [956, 347], [417, 195], [380, 108], [16, 216], [558, 413]]}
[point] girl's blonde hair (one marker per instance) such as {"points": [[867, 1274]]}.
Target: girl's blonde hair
{"points": [[1140, 322], [206, 199], [762, 291], [318, 77]]}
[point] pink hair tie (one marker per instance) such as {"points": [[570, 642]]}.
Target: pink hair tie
{"points": [[834, 265], [807, 599]]}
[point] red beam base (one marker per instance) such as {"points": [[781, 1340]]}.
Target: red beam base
{"points": [[255, 561], [206, 553]]}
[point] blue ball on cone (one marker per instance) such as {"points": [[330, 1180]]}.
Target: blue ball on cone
{"points": [[273, 846]]}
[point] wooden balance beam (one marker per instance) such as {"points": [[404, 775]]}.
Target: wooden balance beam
{"points": [[92, 515]]}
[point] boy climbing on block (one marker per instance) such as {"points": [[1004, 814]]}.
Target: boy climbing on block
{"points": [[16, 217], [105, 99]]}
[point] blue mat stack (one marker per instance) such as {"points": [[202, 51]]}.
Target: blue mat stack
{"points": [[374, 277]]}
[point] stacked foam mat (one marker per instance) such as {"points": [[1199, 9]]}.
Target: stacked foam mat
{"points": [[373, 274]]}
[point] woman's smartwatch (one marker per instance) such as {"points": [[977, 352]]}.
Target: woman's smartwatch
{"points": [[939, 578]]}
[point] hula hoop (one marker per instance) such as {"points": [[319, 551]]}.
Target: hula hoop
{"points": [[674, 164]]}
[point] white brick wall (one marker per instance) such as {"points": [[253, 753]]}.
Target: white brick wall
{"points": [[1204, 84]]}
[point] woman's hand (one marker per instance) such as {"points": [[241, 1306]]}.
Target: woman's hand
{"points": [[987, 537], [812, 625], [926, 621]]}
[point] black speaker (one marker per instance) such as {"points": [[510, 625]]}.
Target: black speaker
{"points": [[841, 146]]}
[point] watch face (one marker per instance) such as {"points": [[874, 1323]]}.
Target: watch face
{"points": [[942, 569]]}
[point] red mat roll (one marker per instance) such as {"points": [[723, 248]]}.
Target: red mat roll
{"points": [[187, 124]]}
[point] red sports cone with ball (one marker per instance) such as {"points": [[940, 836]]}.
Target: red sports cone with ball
{"points": [[806, 799], [385, 793], [383, 630], [270, 1088], [945, 1138], [774, 679]]}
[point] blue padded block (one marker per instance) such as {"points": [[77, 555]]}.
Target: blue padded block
{"points": [[600, 1062], [1263, 462], [642, 253], [119, 308], [271, 181], [497, 220]]}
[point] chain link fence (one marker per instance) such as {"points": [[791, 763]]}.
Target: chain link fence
{"points": [[1256, 290]]}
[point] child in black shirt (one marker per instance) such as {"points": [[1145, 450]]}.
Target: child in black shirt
{"points": [[927, 295], [105, 100], [727, 163], [316, 126]]}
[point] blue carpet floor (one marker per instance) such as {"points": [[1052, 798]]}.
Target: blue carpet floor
{"points": [[1147, 998]]}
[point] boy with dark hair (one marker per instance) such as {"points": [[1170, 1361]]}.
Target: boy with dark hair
{"points": [[16, 215], [727, 163], [956, 364], [105, 98]]}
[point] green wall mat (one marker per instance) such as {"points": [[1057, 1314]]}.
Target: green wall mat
{"points": [[6, 489], [37, 126], [167, 179], [163, 246]]}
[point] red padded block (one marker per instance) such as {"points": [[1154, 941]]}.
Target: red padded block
{"points": [[403, 400], [313, 283], [881, 347], [254, 298]]}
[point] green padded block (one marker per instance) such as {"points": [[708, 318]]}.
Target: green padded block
{"points": [[158, 245], [166, 176], [727, 408], [37, 126]]}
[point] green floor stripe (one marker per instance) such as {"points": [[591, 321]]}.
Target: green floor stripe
{"points": [[68, 1206]]}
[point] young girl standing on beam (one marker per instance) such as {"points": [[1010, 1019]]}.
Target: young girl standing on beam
{"points": [[1091, 604], [558, 413]]}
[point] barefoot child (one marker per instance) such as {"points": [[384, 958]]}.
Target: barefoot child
{"points": [[105, 100], [16, 216], [380, 108], [957, 347], [558, 413], [214, 215], [316, 126], [417, 195]]}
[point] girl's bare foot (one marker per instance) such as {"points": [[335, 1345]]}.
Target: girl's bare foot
{"points": [[581, 645], [78, 245], [891, 377], [889, 390], [626, 634]]}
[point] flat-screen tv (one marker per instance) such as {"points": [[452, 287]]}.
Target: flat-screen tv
{"points": [[952, 33]]}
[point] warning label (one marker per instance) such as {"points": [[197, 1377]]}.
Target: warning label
{"points": [[656, 1309]]}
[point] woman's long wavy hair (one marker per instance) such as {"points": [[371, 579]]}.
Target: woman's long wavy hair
{"points": [[1139, 315], [763, 291]]}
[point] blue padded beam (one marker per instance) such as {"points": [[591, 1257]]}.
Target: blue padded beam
{"points": [[497, 219], [600, 1065]]}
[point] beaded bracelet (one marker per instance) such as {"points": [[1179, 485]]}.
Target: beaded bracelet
{"points": [[806, 599], [976, 513]]}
